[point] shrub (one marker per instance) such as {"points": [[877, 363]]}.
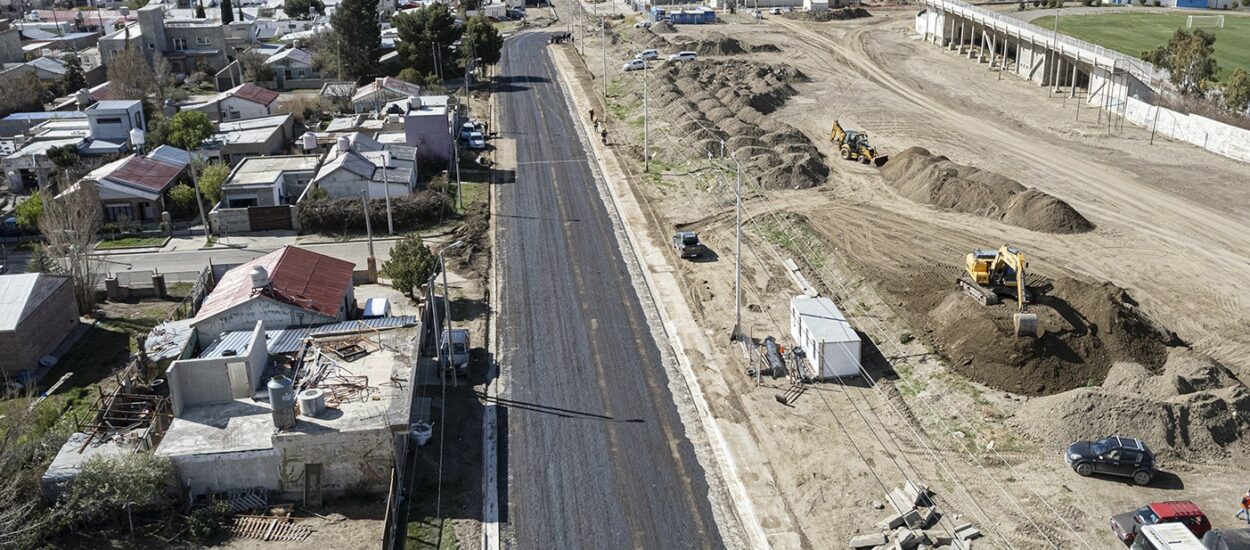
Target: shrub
{"points": [[418, 209], [905, 338], [182, 202], [109, 486], [317, 194], [207, 523], [29, 211], [211, 178], [410, 264]]}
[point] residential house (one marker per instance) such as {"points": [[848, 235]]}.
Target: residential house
{"points": [[134, 189], [289, 287], [101, 129], [375, 95], [294, 68], [240, 102], [429, 124], [269, 181], [251, 137], [359, 164], [189, 44], [112, 120], [37, 313]]}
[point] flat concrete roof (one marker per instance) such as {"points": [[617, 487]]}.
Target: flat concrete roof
{"points": [[268, 170], [247, 425]]}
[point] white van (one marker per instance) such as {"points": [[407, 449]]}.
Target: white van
{"points": [[459, 349], [376, 308], [1166, 536], [683, 56], [634, 65]]}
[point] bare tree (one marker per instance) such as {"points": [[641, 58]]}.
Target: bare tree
{"points": [[69, 224]]}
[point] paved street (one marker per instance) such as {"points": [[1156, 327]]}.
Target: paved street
{"points": [[596, 454]]}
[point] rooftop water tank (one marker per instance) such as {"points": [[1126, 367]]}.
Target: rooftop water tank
{"points": [[260, 278], [83, 98], [344, 144], [282, 400], [312, 402], [137, 138], [309, 141]]}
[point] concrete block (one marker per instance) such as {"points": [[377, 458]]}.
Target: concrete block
{"points": [[912, 520], [904, 539], [917, 493], [868, 541], [926, 516], [891, 521], [970, 533], [960, 544], [900, 501], [962, 526], [938, 540]]}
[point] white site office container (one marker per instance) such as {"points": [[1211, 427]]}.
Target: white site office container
{"points": [[818, 326]]}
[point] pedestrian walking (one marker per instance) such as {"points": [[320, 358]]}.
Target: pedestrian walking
{"points": [[1244, 513]]}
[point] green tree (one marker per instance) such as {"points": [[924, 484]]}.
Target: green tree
{"points": [[1188, 56], [425, 34], [211, 178], [1237, 91], [29, 211], [301, 9], [107, 487], [481, 41], [410, 264], [182, 201], [254, 67], [356, 22], [74, 78], [64, 156], [188, 130], [409, 74], [41, 262]]}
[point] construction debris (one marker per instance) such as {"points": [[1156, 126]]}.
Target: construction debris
{"points": [[905, 529], [269, 528]]}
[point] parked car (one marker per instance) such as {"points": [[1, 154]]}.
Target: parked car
{"points": [[688, 245], [1166, 536], [376, 308], [644, 24], [683, 56], [634, 65], [1226, 539], [458, 351], [1128, 524], [476, 140], [468, 128], [646, 55], [775, 11], [1115, 455]]}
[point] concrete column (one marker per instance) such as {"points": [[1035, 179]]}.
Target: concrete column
{"points": [[963, 34], [158, 285], [1072, 83], [1002, 64], [112, 288]]}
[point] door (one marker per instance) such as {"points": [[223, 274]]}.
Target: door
{"points": [[240, 388], [269, 218]]}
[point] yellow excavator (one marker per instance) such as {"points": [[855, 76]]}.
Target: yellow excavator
{"points": [[853, 145], [993, 272]]}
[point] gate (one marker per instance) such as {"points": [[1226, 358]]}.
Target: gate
{"points": [[267, 218]]}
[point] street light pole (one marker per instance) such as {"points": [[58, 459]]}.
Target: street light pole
{"points": [[373, 261], [646, 157], [737, 250], [386, 183]]}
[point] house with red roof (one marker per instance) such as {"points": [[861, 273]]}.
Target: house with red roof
{"points": [[240, 102], [135, 188], [289, 287]]}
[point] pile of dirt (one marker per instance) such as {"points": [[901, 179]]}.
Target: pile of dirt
{"points": [[712, 100], [830, 15], [712, 44], [1193, 408], [663, 27], [933, 179], [1085, 328]]}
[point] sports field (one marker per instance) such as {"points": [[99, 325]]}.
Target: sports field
{"points": [[1134, 33]]}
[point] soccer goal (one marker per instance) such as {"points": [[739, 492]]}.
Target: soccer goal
{"points": [[1205, 21]]}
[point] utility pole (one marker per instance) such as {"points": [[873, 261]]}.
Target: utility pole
{"points": [[442, 263], [604, 34], [373, 260], [737, 250], [646, 155], [386, 186]]}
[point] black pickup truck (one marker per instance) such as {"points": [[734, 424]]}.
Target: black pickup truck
{"points": [[688, 245]]}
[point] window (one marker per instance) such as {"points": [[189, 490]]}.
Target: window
{"points": [[201, 40], [242, 203], [180, 44], [108, 120]]}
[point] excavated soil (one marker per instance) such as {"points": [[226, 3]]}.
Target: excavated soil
{"points": [[1194, 408], [829, 15], [1085, 328], [712, 100], [934, 179]]}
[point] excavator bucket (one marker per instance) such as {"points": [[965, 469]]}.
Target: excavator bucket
{"points": [[880, 161], [1026, 324]]}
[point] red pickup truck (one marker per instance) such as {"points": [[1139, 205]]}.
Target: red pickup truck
{"points": [[1184, 512]]}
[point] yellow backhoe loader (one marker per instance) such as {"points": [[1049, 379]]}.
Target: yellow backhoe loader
{"points": [[853, 145], [990, 273]]}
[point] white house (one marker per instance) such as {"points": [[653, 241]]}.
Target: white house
{"points": [[289, 287], [240, 102], [375, 95], [358, 164]]}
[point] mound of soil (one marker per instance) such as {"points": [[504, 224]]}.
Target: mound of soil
{"points": [[830, 15], [1193, 408], [710, 99], [1084, 329], [934, 179], [663, 27]]}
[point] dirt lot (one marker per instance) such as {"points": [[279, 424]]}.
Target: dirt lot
{"points": [[957, 402]]}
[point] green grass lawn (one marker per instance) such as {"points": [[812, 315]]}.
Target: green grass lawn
{"points": [[130, 242], [1134, 33]]}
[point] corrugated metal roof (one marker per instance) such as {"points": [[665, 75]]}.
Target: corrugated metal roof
{"points": [[300, 277], [823, 319], [21, 294], [289, 340]]}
